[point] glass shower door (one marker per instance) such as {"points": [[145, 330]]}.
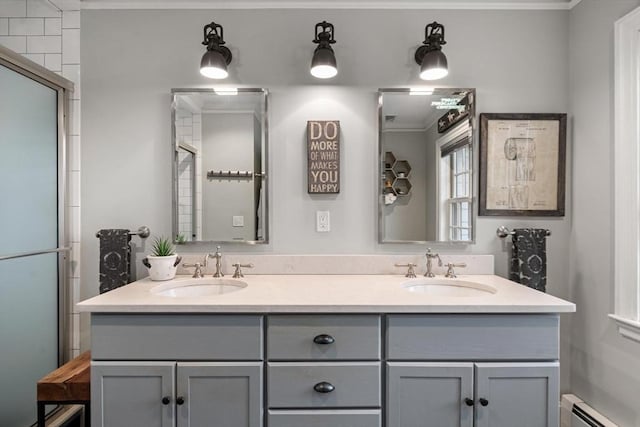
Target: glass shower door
{"points": [[29, 224]]}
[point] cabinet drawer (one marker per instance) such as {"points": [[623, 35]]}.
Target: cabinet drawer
{"points": [[323, 418], [473, 337], [176, 337], [296, 385], [322, 337]]}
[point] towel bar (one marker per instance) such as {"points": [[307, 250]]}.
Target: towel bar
{"points": [[143, 231], [503, 232]]}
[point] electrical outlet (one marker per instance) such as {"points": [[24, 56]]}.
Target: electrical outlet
{"points": [[323, 223], [238, 221]]}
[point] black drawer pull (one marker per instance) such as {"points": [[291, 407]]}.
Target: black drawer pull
{"points": [[483, 401], [324, 339], [180, 400], [324, 387], [469, 402], [166, 400]]}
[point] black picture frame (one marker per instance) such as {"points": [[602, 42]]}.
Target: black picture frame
{"points": [[530, 121]]}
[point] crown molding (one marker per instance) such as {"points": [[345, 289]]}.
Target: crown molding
{"points": [[353, 4]]}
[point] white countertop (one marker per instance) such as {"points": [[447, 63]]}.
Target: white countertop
{"points": [[328, 294]]}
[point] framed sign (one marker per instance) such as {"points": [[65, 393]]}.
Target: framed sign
{"points": [[522, 164], [459, 111], [323, 156]]}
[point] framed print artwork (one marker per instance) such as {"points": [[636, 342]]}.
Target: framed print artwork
{"points": [[522, 164]]}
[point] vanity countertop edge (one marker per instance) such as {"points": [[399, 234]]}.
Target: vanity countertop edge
{"points": [[329, 294]]}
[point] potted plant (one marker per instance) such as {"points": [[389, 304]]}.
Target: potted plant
{"points": [[163, 261]]}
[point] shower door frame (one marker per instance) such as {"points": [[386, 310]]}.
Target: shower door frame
{"points": [[64, 88]]}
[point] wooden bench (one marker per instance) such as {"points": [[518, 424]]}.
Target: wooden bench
{"points": [[69, 384]]}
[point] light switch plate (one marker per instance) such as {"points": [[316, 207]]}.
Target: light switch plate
{"points": [[238, 221], [323, 223]]}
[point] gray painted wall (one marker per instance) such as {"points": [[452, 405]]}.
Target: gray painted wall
{"points": [[605, 368], [227, 144], [405, 219], [517, 60]]}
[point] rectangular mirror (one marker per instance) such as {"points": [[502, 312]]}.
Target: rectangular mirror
{"points": [[220, 146], [426, 192]]}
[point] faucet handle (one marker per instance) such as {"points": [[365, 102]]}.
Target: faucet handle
{"points": [[450, 265], [411, 273], [216, 254], [197, 274], [238, 273], [431, 255]]}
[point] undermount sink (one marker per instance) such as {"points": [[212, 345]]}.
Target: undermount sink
{"points": [[198, 287], [448, 287]]}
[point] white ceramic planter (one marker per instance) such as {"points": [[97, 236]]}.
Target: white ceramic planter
{"points": [[162, 267]]}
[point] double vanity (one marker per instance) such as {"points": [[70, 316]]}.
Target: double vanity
{"points": [[325, 350]]}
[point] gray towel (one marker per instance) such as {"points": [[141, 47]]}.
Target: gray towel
{"points": [[529, 258], [115, 258]]}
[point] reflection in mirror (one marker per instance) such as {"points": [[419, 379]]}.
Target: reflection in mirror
{"points": [[220, 169], [426, 190]]}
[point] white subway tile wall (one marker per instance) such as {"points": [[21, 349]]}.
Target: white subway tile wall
{"points": [[26, 27], [13, 8], [196, 136], [4, 26], [189, 131], [53, 61], [53, 26], [48, 33]]}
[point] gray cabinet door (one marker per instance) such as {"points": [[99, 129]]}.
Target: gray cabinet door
{"points": [[125, 394], [219, 394], [429, 394], [517, 394]]}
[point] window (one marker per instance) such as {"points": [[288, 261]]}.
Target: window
{"points": [[456, 174], [627, 177]]}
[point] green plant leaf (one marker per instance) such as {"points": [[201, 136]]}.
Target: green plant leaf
{"points": [[162, 246]]}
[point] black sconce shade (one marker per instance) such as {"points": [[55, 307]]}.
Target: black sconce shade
{"points": [[433, 63], [323, 64], [215, 60]]}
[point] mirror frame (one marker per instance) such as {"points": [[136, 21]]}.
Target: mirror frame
{"points": [[265, 167], [473, 162]]}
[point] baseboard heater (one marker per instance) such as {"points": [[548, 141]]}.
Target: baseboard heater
{"points": [[574, 412]]}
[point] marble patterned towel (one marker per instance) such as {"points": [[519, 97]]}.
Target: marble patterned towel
{"points": [[115, 258], [529, 258]]}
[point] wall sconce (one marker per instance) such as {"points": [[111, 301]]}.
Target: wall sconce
{"points": [[323, 64], [217, 57], [433, 63]]}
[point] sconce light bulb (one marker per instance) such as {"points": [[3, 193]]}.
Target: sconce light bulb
{"points": [[213, 65], [434, 73], [324, 71], [324, 64], [214, 73], [434, 66]]}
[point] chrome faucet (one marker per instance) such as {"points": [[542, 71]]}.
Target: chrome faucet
{"points": [[411, 272], [452, 274], [199, 267], [197, 274], [430, 256], [238, 273], [218, 257]]}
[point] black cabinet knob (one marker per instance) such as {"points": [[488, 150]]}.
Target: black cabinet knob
{"points": [[324, 387], [166, 400], [469, 402], [180, 400], [483, 401], [324, 339]]}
